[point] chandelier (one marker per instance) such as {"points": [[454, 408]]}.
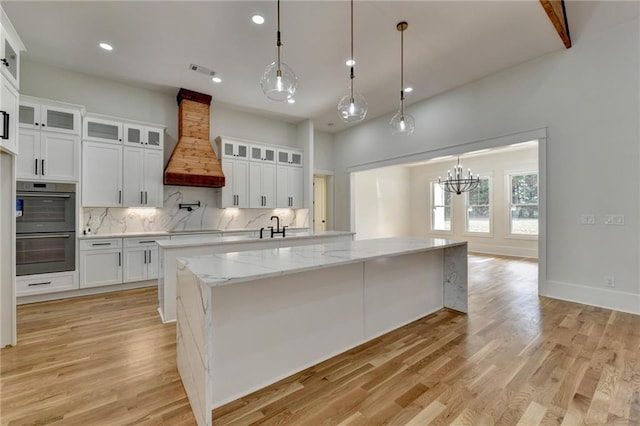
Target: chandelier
{"points": [[278, 81], [457, 182]]}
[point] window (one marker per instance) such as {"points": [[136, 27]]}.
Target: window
{"points": [[524, 204], [478, 208], [441, 213]]}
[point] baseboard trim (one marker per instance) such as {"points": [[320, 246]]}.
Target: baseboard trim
{"points": [[503, 250], [47, 297], [603, 298]]}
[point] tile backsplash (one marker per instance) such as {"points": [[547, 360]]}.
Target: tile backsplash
{"points": [[171, 218]]}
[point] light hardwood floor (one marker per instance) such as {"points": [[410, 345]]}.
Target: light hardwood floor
{"points": [[514, 359]]}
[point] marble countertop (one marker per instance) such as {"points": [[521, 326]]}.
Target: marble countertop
{"points": [[170, 233], [215, 240], [228, 268]]}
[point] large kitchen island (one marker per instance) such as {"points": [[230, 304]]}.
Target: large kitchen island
{"points": [[248, 319]]}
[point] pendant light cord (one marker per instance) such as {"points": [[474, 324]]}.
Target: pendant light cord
{"points": [[278, 43], [353, 76], [402, 74]]}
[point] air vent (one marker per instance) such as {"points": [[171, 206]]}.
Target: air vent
{"points": [[202, 70]]}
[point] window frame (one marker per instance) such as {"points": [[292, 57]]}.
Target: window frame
{"points": [[509, 204], [433, 206], [467, 205]]}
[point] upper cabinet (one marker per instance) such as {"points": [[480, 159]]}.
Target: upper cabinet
{"points": [[150, 137], [235, 149], [263, 153], [289, 157], [101, 129], [52, 117], [8, 116], [10, 48]]}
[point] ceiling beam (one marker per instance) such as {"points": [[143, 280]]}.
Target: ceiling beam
{"points": [[558, 16]]}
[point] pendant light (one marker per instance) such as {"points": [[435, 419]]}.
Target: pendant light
{"points": [[402, 123], [352, 107], [457, 182], [278, 80]]}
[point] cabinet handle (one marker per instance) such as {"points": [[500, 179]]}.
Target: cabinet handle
{"points": [[43, 125], [120, 197], [119, 258], [5, 124], [145, 257], [146, 197], [149, 257], [141, 197], [5, 62], [147, 242], [36, 166], [35, 124], [42, 163], [42, 283], [101, 244]]}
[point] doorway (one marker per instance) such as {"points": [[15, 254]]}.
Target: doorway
{"points": [[320, 204]]}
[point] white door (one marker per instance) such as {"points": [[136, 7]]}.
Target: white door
{"points": [[133, 177], [135, 264], [9, 120], [153, 263], [256, 199], [60, 156], [153, 178], [282, 187], [241, 183], [100, 267], [269, 185], [28, 161], [228, 195], [296, 187], [101, 175]]}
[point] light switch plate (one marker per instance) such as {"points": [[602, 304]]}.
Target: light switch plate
{"points": [[588, 219], [614, 219]]}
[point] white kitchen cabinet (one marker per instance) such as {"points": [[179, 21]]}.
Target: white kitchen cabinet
{"points": [[290, 186], [141, 261], [289, 157], [262, 185], [101, 174], [100, 262], [28, 285], [236, 191], [48, 156], [262, 154], [10, 47], [234, 149], [9, 116], [137, 134], [52, 117], [100, 129], [142, 177]]}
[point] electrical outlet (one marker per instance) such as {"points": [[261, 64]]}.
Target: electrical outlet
{"points": [[609, 281], [614, 219], [588, 219]]}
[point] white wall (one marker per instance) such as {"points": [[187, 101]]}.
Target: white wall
{"points": [[587, 98], [323, 151], [494, 166], [382, 204]]}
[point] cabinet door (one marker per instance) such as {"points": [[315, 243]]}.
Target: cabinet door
{"points": [[153, 263], [10, 60], [100, 267], [101, 175], [295, 158], [241, 183], [296, 187], [269, 185], [133, 177], [101, 130], [256, 199], [29, 115], [9, 119], [235, 149], [59, 157], [154, 138], [133, 134], [28, 161], [135, 264], [153, 178], [282, 187], [228, 197], [54, 119]]}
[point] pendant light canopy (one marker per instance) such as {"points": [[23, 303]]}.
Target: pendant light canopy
{"points": [[457, 182], [278, 80], [352, 107], [402, 123]]}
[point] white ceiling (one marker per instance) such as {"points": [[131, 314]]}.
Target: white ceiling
{"points": [[447, 44]]}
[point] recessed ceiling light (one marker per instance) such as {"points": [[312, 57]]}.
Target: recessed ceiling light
{"points": [[105, 46], [291, 101], [216, 79], [350, 62], [408, 89], [257, 19]]}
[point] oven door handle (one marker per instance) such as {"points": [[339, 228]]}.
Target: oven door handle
{"points": [[40, 236], [42, 195]]}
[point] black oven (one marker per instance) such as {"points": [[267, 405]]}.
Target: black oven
{"points": [[45, 227]]}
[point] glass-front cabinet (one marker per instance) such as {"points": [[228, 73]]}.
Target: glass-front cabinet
{"points": [[10, 47], [51, 118], [98, 129], [136, 134], [263, 153], [290, 157]]}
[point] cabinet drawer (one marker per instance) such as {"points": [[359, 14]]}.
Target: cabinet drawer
{"points": [[148, 242], [107, 243], [45, 283]]}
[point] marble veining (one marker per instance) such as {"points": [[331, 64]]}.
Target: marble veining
{"points": [[227, 268], [171, 218]]}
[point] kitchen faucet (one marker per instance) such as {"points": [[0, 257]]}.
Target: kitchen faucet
{"points": [[277, 231]]}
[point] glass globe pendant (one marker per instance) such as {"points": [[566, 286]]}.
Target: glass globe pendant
{"points": [[402, 123], [278, 81], [352, 107]]}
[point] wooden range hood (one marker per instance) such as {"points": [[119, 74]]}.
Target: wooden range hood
{"points": [[193, 161]]}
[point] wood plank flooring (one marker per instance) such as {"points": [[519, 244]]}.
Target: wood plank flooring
{"points": [[515, 359]]}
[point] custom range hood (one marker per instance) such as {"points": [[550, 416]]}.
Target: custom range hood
{"points": [[193, 161]]}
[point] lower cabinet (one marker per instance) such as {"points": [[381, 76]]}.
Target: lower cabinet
{"points": [[100, 262], [141, 260], [46, 283]]}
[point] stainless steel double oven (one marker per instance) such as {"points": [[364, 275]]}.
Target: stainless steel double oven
{"points": [[45, 227]]}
